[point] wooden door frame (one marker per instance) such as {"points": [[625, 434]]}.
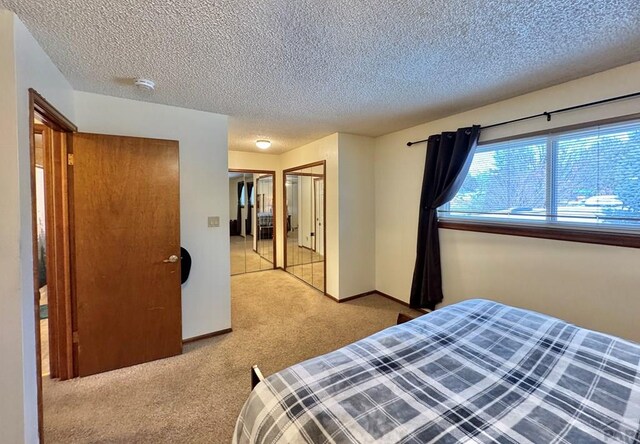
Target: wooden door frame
{"points": [[47, 135], [61, 259], [273, 187], [323, 164]]}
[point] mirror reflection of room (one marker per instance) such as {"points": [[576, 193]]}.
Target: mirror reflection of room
{"points": [[251, 224], [305, 225]]}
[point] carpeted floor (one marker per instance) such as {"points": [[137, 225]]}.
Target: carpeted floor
{"points": [[196, 397], [44, 332], [305, 264], [296, 254], [244, 259], [312, 274]]}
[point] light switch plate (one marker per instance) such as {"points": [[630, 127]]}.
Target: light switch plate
{"points": [[214, 221]]}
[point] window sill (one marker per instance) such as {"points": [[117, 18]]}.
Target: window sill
{"points": [[546, 232]]}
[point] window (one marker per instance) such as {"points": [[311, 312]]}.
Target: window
{"points": [[587, 178]]}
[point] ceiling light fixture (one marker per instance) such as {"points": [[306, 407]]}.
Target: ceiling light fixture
{"points": [[263, 144], [145, 84]]}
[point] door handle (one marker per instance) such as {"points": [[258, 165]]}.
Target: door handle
{"points": [[171, 259]]}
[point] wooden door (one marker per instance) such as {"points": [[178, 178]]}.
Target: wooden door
{"points": [[126, 228]]}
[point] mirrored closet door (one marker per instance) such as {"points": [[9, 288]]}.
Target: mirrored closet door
{"points": [[252, 220], [305, 241]]}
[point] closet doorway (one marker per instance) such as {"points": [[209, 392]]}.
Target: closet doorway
{"points": [[252, 218], [305, 227]]}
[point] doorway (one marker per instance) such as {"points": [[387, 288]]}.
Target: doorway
{"points": [[106, 248], [50, 132], [252, 219], [41, 136], [305, 223]]}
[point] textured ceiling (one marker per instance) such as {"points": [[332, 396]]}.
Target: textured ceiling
{"points": [[294, 71]]}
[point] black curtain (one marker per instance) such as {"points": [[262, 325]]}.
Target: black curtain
{"points": [[249, 206], [449, 156], [239, 225]]}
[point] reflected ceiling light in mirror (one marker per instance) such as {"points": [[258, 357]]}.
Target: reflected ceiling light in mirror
{"points": [[263, 144]]}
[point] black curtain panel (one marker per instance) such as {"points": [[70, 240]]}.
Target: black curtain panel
{"points": [[449, 156], [239, 226], [249, 206]]}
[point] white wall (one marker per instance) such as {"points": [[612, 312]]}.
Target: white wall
{"points": [[23, 65], [357, 215], [591, 285], [305, 211], [12, 400], [204, 185], [318, 222]]}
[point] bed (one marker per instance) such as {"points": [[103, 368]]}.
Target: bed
{"points": [[265, 225], [476, 371]]}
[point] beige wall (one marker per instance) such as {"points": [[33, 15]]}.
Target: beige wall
{"points": [[593, 286], [204, 184], [357, 215], [255, 161], [23, 65]]}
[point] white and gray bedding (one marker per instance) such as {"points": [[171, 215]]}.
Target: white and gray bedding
{"points": [[477, 371]]}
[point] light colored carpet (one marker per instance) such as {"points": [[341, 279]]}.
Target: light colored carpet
{"points": [[44, 335], [297, 255], [244, 259], [196, 397], [44, 347], [312, 273], [303, 263]]}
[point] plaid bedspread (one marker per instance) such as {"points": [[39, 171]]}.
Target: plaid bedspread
{"points": [[477, 371]]}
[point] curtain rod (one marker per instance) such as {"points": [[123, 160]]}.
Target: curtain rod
{"points": [[548, 114]]}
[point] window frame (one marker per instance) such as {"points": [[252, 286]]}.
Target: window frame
{"points": [[548, 229]]}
